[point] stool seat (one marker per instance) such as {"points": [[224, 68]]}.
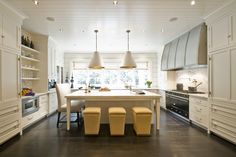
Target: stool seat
{"points": [[92, 116], [142, 110], [117, 110]]}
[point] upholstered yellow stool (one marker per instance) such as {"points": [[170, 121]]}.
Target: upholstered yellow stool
{"points": [[142, 120], [117, 120], [92, 116]]}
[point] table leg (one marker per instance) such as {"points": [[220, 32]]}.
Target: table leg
{"points": [[68, 113], [157, 101]]}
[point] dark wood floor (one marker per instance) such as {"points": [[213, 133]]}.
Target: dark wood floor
{"points": [[175, 139]]}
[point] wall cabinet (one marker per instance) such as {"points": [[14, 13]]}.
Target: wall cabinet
{"points": [[10, 108], [222, 32], [233, 74], [164, 59], [10, 33], [198, 111]]}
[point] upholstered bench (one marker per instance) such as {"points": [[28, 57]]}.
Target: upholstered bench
{"points": [[92, 116], [142, 120], [117, 120]]}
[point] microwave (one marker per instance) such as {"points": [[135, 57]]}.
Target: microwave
{"points": [[30, 105]]}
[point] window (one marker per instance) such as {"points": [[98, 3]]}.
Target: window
{"points": [[111, 76]]}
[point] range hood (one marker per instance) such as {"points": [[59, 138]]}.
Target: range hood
{"points": [[188, 50]]}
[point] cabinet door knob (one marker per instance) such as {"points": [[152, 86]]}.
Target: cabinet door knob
{"points": [[229, 36], [2, 36]]}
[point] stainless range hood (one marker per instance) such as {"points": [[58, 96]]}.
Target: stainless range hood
{"points": [[188, 50]]}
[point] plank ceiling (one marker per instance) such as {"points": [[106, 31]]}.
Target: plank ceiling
{"points": [[145, 19]]}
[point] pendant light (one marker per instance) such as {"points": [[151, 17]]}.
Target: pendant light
{"points": [[96, 61], [128, 61]]}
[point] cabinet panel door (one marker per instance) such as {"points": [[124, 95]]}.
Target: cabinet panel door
{"points": [[233, 74], [220, 75], [193, 46], [11, 34], [232, 28], [181, 50], [164, 59], [10, 79], [219, 33], [172, 53]]}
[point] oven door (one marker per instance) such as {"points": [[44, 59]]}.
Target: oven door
{"points": [[178, 104]]}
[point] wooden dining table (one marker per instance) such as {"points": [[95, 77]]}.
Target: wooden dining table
{"points": [[115, 96]]}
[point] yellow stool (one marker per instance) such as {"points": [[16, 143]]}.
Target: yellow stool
{"points": [[142, 120], [117, 120], [92, 116]]}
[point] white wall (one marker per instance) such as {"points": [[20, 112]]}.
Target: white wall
{"points": [[150, 57], [186, 77]]}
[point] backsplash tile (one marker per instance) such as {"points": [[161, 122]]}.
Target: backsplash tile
{"points": [[187, 76]]}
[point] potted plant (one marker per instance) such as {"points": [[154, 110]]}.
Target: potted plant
{"points": [[148, 83]]}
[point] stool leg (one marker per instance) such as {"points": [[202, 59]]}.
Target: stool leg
{"points": [[78, 119], [58, 119]]}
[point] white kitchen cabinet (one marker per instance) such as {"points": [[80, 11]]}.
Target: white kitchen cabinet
{"points": [[10, 31], [36, 116], [196, 50], [232, 29], [162, 99], [52, 106], [233, 74], [222, 32], [218, 35], [198, 111], [164, 59], [181, 50], [11, 34], [219, 75], [10, 106], [172, 53], [52, 57], [223, 117]]}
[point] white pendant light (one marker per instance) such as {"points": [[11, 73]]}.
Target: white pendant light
{"points": [[96, 61], [128, 61]]}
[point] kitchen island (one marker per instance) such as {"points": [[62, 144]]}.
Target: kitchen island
{"points": [[124, 98]]}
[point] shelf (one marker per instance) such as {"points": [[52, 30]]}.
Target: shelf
{"points": [[29, 49], [30, 59], [30, 79], [27, 68]]}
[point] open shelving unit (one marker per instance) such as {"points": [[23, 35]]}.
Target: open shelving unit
{"points": [[30, 66]]}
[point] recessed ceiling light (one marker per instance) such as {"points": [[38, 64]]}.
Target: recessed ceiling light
{"points": [[50, 19], [36, 2], [115, 2], [173, 19], [193, 2]]}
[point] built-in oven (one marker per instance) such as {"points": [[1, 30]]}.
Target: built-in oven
{"points": [[178, 103], [30, 105]]}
